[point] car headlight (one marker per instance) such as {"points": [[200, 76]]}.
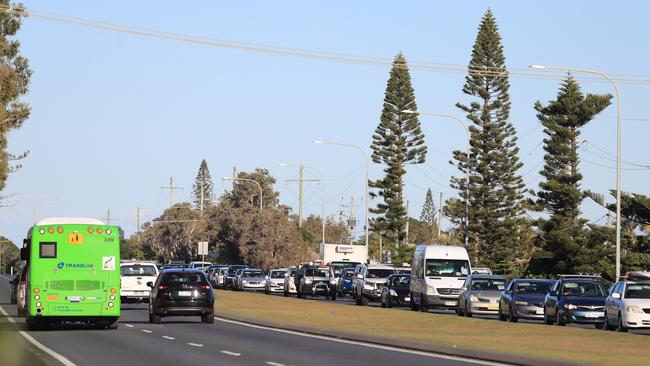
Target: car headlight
{"points": [[393, 293], [368, 287], [633, 309], [307, 281], [244, 282], [431, 289], [521, 302], [570, 306], [473, 298], [333, 281]]}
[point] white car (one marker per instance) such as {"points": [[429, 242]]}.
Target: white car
{"points": [[275, 281], [289, 282], [370, 280], [133, 281], [199, 265], [628, 303]]}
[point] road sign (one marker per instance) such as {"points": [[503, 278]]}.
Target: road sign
{"points": [[203, 248]]}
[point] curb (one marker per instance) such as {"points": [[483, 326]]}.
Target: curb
{"points": [[478, 355]]}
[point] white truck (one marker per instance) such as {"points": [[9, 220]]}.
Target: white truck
{"points": [[437, 275], [133, 281], [343, 252]]}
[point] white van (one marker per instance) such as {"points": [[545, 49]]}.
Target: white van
{"points": [[437, 274], [133, 280]]}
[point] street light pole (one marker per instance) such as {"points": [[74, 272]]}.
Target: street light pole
{"points": [[322, 186], [618, 150], [365, 157], [247, 180], [466, 168]]}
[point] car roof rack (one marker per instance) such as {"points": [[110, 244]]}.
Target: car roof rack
{"points": [[579, 276], [636, 276]]}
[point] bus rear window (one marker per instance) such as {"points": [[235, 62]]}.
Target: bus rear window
{"points": [[47, 249]]}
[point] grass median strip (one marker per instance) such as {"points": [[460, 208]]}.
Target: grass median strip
{"points": [[578, 345]]}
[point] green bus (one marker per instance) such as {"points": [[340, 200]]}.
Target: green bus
{"points": [[73, 273]]}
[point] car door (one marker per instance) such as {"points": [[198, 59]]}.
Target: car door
{"points": [[551, 299], [506, 298], [462, 295], [612, 304]]}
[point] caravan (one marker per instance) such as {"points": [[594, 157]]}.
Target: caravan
{"points": [[438, 273]]}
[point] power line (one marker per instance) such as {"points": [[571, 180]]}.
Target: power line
{"points": [[314, 54]]}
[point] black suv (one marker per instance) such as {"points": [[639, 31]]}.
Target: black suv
{"points": [[576, 300], [315, 281], [181, 292]]}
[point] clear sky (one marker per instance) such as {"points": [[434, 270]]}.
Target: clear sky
{"points": [[115, 115]]}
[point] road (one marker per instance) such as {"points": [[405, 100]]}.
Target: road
{"points": [[187, 341]]}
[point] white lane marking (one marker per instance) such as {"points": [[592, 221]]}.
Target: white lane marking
{"points": [[229, 353], [194, 344], [42, 347], [271, 363], [129, 325], [6, 278], [146, 330], [369, 345], [168, 337]]}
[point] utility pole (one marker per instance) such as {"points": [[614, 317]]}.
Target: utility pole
{"points": [[137, 222], [108, 217], [439, 215], [171, 189], [352, 220], [300, 181]]}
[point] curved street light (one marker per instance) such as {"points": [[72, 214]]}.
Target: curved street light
{"points": [[618, 150]]}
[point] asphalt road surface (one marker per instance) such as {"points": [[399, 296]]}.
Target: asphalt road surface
{"points": [[187, 341]]}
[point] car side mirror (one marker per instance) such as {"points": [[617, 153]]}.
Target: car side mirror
{"points": [[616, 295], [508, 292], [23, 254], [150, 284]]}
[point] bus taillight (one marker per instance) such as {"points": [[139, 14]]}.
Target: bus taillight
{"points": [[90, 230], [60, 230], [37, 290]]}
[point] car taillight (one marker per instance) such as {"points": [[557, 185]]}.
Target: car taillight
{"points": [[162, 287]]}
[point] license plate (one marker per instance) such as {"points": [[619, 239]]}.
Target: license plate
{"points": [[539, 312], [407, 299], [592, 315], [451, 303], [184, 293], [75, 298], [493, 307]]}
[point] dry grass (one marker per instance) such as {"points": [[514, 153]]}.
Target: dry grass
{"points": [[565, 344]]}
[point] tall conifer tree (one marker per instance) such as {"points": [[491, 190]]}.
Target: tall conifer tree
{"points": [[398, 140], [203, 188], [428, 214], [496, 189], [563, 241]]}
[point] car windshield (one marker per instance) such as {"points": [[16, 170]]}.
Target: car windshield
{"points": [[317, 272], [403, 270], [277, 274], [447, 268], [137, 270], [488, 284], [583, 289], [232, 270], [339, 267], [400, 281], [252, 273], [637, 291], [380, 273], [533, 288], [349, 272], [176, 278]]}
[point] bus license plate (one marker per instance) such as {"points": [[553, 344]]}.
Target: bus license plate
{"points": [[75, 298], [184, 293]]}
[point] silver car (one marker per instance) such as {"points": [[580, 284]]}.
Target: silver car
{"points": [[251, 279], [289, 281], [275, 281], [480, 294]]}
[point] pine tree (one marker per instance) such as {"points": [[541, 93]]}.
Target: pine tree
{"points": [[495, 188], [564, 242], [203, 187], [428, 214], [398, 140], [14, 82]]}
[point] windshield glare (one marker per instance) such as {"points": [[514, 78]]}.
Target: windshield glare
{"points": [[137, 270], [400, 280], [637, 291], [486, 284], [380, 273], [183, 277], [533, 288], [277, 274], [317, 272], [447, 268], [247, 273], [583, 289]]}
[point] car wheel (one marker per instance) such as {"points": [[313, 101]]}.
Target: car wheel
{"points": [[467, 311], [333, 297], [286, 293], [608, 326], [547, 319], [208, 318], [414, 306], [423, 308], [501, 316], [364, 300], [558, 319], [383, 301], [155, 319], [389, 304], [511, 315], [620, 327]]}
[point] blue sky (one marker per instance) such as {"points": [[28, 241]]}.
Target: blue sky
{"points": [[115, 115]]}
